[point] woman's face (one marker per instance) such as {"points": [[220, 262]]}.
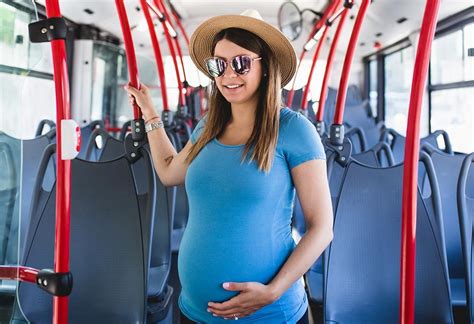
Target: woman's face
{"points": [[248, 83]]}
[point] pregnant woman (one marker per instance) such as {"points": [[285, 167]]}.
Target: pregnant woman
{"points": [[246, 156]]}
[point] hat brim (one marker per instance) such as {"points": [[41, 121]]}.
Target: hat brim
{"points": [[200, 46]]}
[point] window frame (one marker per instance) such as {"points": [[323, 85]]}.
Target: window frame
{"points": [[444, 27], [18, 70]]}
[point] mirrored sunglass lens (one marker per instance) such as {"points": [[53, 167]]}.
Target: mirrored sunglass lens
{"points": [[215, 66], [241, 64]]}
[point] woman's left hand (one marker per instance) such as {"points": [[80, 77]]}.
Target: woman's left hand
{"points": [[252, 297]]}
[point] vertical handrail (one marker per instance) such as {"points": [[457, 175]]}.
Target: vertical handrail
{"points": [[410, 168], [327, 72], [346, 69], [180, 25], [130, 53], [337, 129], [157, 53], [322, 40], [176, 41], [315, 29], [304, 98], [63, 170], [163, 19]]}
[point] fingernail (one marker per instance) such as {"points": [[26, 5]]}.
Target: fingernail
{"points": [[208, 310], [226, 285]]}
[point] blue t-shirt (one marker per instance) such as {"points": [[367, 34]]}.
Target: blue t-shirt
{"points": [[239, 226]]}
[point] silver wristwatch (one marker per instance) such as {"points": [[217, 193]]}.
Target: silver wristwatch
{"points": [[155, 125]]}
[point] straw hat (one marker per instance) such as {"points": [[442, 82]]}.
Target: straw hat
{"points": [[200, 47]]}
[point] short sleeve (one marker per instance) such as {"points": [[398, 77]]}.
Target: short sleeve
{"points": [[198, 130], [301, 141]]}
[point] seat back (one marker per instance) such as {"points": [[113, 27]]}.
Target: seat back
{"points": [[447, 168], [363, 269], [397, 142], [357, 137], [125, 130], [41, 126], [9, 195], [432, 139], [358, 115], [354, 96], [465, 201], [27, 154], [377, 157], [103, 147], [165, 199], [86, 132], [108, 254], [330, 106]]}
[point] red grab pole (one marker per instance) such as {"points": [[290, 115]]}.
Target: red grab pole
{"points": [[63, 176], [410, 168], [304, 98], [316, 27], [327, 14], [176, 40], [159, 11], [180, 25], [327, 72], [130, 51], [346, 69], [157, 52]]}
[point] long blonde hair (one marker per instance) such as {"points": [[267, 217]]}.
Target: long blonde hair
{"points": [[267, 115]]}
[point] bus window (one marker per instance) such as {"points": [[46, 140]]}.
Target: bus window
{"points": [[451, 88], [373, 95], [398, 78], [24, 68]]}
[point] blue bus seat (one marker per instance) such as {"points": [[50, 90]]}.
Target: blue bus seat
{"points": [[447, 168], [40, 129], [397, 142], [363, 265], [27, 155], [160, 262], [465, 201], [86, 132], [109, 260], [374, 157]]}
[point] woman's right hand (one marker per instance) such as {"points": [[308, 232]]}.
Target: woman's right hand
{"points": [[143, 99]]}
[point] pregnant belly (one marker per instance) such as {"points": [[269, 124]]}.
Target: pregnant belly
{"points": [[208, 260]]}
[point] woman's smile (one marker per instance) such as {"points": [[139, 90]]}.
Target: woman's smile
{"points": [[233, 87]]}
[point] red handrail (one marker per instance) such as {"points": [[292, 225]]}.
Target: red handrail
{"points": [[157, 52], [63, 171], [176, 41], [315, 29], [20, 273], [330, 60], [130, 53], [304, 98], [410, 168], [180, 25], [181, 98], [346, 69], [327, 14]]}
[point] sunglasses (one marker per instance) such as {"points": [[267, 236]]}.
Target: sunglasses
{"points": [[241, 64]]}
